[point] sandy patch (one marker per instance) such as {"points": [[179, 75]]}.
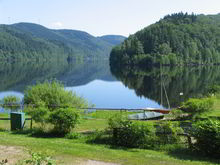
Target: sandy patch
{"points": [[11, 154], [94, 162]]}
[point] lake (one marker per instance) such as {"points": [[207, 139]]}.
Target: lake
{"points": [[107, 87]]}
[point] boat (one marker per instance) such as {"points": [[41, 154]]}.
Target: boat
{"points": [[146, 116]]}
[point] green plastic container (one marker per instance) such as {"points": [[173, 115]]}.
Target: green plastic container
{"points": [[17, 120]]}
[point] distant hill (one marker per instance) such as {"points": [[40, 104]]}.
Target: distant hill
{"points": [[113, 39], [177, 39], [27, 40]]}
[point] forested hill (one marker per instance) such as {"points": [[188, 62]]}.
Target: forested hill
{"points": [[176, 39], [33, 41]]}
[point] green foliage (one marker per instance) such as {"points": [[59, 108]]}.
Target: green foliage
{"points": [[51, 95], [39, 159], [214, 89], [64, 119], [128, 134], [191, 39], [197, 106], [27, 41], [73, 135], [46, 101], [11, 103], [207, 135], [168, 133]]}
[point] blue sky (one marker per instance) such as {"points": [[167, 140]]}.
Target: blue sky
{"points": [[99, 17]]}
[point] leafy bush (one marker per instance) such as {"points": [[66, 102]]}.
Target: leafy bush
{"points": [[51, 103], [39, 159], [11, 103], [131, 134], [51, 95], [64, 119], [214, 89], [167, 133], [197, 106], [207, 135], [73, 135]]}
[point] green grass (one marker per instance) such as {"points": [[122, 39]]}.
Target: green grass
{"points": [[216, 107], [68, 151]]}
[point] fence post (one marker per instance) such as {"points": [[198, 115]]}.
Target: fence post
{"points": [[31, 124]]}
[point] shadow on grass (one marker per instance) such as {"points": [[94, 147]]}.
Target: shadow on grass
{"points": [[104, 138], [38, 133], [177, 151], [187, 154]]}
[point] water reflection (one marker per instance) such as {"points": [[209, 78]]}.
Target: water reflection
{"points": [[17, 76], [127, 88], [168, 85]]}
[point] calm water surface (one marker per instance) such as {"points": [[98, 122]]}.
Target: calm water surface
{"points": [[118, 88], [90, 80]]}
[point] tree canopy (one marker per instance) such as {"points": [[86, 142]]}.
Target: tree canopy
{"points": [[27, 41], [177, 39]]}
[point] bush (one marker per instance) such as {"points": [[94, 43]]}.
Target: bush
{"points": [[197, 107], [38, 159], [207, 135], [52, 94], [11, 103], [73, 135], [51, 103], [131, 134], [167, 133], [64, 119], [214, 89]]}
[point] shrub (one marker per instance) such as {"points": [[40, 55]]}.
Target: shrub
{"points": [[11, 103], [167, 133], [49, 103], [197, 107], [207, 135], [73, 135], [131, 134], [52, 94], [214, 89], [39, 159], [64, 119]]}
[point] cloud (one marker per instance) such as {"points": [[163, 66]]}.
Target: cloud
{"points": [[57, 24]]}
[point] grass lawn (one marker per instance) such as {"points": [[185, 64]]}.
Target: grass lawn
{"points": [[216, 107], [68, 151]]}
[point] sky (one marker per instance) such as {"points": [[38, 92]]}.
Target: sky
{"points": [[99, 17]]}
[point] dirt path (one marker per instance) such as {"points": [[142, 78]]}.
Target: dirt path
{"points": [[11, 154], [93, 162]]}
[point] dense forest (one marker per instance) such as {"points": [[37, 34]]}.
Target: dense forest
{"points": [[32, 41], [177, 39]]}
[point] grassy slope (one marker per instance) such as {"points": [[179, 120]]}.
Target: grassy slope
{"points": [[72, 149], [67, 150]]}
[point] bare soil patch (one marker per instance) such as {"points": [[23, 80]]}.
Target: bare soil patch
{"points": [[11, 154], [94, 162]]}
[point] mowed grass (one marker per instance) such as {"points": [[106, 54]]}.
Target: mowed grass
{"points": [[67, 151], [71, 151], [216, 107]]}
